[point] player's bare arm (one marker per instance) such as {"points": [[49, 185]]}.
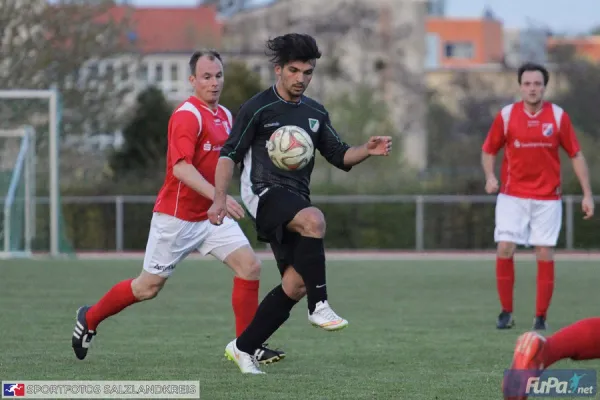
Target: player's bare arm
{"points": [[235, 148], [494, 141], [488, 162], [376, 146], [582, 172], [193, 179], [223, 175]]}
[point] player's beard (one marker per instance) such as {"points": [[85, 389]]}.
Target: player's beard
{"points": [[296, 91]]}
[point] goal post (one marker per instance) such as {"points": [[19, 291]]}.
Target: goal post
{"points": [[47, 113], [17, 184]]}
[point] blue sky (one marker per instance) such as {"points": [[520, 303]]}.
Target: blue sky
{"points": [[571, 16]]}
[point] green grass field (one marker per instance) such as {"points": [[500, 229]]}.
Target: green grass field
{"points": [[418, 330]]}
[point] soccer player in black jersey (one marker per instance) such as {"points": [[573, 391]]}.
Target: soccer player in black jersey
{"points": [[278, 200]]}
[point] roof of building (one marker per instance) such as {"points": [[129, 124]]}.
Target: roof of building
{"points": [[170, 29]]}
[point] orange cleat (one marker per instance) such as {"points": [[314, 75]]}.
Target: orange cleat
{"points": [[527, 363]]}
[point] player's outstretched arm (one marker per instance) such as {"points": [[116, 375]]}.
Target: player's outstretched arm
{"points": [[344, 157], [376, 146]]}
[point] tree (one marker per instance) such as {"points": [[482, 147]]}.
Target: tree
{"points": [[62, 44], [240, 85], [580, 98], [145, 147]]}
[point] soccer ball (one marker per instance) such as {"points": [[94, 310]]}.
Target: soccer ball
{"points": [[290, 148]]}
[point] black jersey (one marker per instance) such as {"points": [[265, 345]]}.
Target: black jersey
{"points": [[258, 118]]}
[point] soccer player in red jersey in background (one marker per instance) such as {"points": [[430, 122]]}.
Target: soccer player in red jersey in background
{"points": [[529, 206], [197, 130]]}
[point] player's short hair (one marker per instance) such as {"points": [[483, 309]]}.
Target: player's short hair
{"points": [[292, 47], [528, 67], [211, 54]]}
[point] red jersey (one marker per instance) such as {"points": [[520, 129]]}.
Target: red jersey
{"points": [[531, 164], [196, 135]]}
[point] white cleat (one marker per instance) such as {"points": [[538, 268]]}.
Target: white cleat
{"points": [[324, 317], [246, 362]]}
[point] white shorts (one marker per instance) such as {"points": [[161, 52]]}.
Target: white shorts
{"points": [[528, 222], [171, 240]]}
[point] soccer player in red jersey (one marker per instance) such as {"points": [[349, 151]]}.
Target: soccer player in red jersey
{"points": [[529, 206], [197, 130]]}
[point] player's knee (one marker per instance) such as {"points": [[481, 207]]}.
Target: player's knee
{"points": [[544, 253], [311, 222], [244, 263], [146, 289], [250, 270], [506, 249], [294, 290], [293, 284]]}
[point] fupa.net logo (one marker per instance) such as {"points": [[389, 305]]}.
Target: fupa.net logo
{"points": [[551, 383]]}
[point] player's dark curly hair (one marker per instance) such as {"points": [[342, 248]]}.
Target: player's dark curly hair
{"points": [[292, 47], [529, 67]]}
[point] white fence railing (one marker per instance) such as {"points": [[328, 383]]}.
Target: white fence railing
{"points": [[571, 206]]}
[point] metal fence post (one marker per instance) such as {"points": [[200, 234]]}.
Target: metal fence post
{"points": [[420, 223], [119, 223], [570, 223]]}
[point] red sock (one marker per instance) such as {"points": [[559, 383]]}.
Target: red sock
{"points": [[545, 287], [579, 341], [114, 301], [244, 300], [505, 280]]}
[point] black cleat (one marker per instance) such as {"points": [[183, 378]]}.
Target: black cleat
{"points": [[264, 355], [539, 324], [505, 320], [82, 336]]}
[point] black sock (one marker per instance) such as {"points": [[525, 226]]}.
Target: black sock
{"points": [[309, 262], [272, 312]]}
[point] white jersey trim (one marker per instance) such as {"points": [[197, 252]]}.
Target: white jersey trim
{"points": [[228, 113], [187, 106]]}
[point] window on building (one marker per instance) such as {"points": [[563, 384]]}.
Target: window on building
{"points": [[124, 72], [109, 70], [142, 73], [462, 50], [158, 73], [174, 72]]}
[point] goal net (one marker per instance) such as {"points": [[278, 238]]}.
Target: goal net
{"points": [[17, 188], [30, 205]]}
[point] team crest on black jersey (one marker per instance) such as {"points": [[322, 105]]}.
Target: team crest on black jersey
{"points": [[547, 129], [314, 124]]}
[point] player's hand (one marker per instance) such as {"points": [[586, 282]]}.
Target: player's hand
{"points": [[234, 210], [587, 206], [379, 145], [491, 185], [218, 211]]}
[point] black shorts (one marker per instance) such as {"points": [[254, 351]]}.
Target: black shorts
{"points": [[276, 209]]}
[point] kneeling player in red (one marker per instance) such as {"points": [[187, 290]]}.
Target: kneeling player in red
{"points": [[534, 353], [198, 129]]}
